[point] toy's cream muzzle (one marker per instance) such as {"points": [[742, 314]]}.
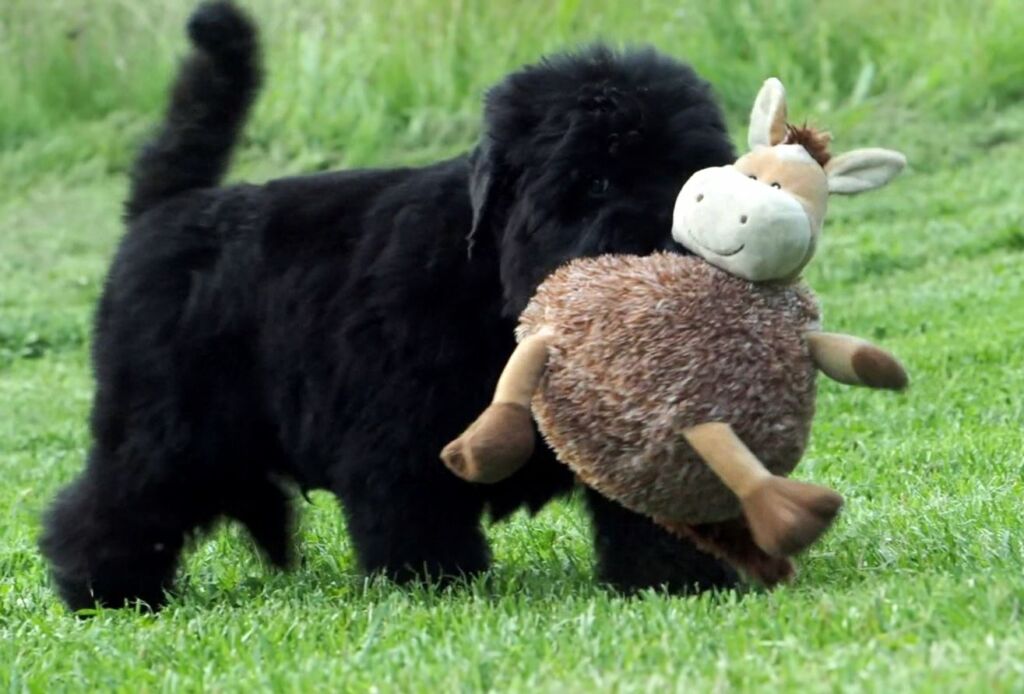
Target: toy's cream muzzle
{"points": [[742, 225]]}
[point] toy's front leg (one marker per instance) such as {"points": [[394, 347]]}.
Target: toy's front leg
{"points": [[855, 362], [501, 440], [785, 516]]}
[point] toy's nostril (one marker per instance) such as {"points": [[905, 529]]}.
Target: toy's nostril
{"points": [[743, 219], [700, 196]]}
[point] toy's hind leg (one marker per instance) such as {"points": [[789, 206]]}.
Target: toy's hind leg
{"points": [[785, 516], [112, 538]]}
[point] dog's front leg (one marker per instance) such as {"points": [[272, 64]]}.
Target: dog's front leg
{"points": [[633, 553], [419, 523]]}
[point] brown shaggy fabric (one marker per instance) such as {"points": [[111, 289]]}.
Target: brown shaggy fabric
{"points": [[647, 346]]}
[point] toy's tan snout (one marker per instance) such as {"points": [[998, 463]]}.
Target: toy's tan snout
{"points": [[743, 226]]}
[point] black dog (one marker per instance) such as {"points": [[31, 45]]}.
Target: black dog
{"points": [[336, 330]]}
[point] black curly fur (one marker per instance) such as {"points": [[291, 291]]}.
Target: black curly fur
{"points": [[336, 330]]}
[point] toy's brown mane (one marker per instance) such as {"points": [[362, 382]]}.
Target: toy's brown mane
{"points": [[813, 140]]}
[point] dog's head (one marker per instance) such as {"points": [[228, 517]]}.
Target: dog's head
{"points": [[584, 154]]}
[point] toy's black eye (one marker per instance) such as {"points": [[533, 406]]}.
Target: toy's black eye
{"points": [[598, 187], [776, 185], [752, 176]]}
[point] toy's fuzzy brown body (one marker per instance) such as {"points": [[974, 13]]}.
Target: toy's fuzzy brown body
{"points": [[645, 347]]}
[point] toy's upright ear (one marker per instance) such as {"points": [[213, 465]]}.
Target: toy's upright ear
{"points": [[863, 169], [768, 117]]}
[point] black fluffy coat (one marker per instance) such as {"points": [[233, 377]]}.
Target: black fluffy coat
{"points": [[336, 330]]}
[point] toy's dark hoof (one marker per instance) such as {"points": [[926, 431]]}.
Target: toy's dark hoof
{"points": [[497, 444], [787, 516]]}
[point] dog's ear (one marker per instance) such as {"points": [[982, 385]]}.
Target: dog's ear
{"points": [[481, 188]]}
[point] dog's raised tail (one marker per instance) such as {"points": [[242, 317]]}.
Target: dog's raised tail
{"points": [[211, 98]]}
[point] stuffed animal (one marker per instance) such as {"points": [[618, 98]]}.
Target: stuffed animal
{"points": [[683, 387]]}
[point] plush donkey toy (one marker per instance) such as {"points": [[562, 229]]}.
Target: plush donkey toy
{"points": [[683, 387]]}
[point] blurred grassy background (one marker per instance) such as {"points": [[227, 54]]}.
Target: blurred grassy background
{"points": [[918, 588], [354, 82]]}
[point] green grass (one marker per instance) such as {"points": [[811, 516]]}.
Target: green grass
{"points": [[920, 585]]}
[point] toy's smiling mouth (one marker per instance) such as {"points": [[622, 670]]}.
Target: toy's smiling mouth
{"points": [[720, 254], [728, 253]]}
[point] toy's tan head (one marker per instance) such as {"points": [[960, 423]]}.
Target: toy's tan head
{"points": [[760, 218]]}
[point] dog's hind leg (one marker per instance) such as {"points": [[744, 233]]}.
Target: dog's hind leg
{"points": [[113, 537]]}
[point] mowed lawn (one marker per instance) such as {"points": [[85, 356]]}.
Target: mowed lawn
{"points": [[919, 587]]}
